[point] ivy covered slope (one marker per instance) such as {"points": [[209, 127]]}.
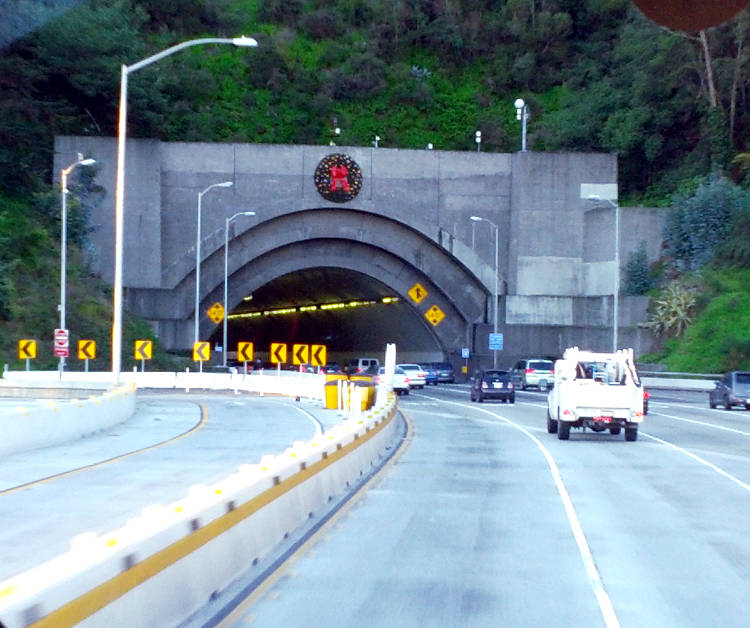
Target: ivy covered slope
{"points": [[597, 76]]}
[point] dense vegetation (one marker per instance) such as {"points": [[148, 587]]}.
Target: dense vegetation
{"points": [[596, 74]]}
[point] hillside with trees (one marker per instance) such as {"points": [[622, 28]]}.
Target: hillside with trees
{"points": [[597, 76]]}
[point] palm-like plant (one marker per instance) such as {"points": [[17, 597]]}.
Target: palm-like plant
{"points": [[673, 310]]}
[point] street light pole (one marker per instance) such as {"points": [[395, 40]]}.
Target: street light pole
{"points": [[196, 319], [496, 305], [120, 182], [226, 276], [64, 236], [522, 114], [616, 289]]}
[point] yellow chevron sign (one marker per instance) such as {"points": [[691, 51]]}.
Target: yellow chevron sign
{"points": [[201, 351], [278, 353], [86, 349], [245, 351], [26, 349], [318, 355], [144, 349], [300, 354]]}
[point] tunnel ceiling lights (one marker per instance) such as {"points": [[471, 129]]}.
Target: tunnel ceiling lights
{"points": [[314, 308]]}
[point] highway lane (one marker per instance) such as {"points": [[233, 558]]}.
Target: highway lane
{"points": [[95, 484], [467, 526]]}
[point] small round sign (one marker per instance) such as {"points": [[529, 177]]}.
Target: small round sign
{"points": [[338, 178]]}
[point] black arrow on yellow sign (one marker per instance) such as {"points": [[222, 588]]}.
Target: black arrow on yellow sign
{"points": [[245, 351], [278, 352], [318, 355], [301, 354], [26, 349], [86, 349], [201, 351], [143, 349]]}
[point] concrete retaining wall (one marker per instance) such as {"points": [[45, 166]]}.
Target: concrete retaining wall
{"points": [[165, 564]]}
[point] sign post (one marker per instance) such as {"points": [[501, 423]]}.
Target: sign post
{"points": [[27, 351]]}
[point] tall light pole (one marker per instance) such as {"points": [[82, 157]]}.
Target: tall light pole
{"points": [[522, 114], [120, 182], [64, 236], [223, 184], [616, 289], [226, 275], [497, 273]]}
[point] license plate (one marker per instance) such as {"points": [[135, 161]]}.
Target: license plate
{"points": [[497, 384]]}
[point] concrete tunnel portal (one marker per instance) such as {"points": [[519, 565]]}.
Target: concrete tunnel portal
{"points": [[347, 311], [317, 285]]}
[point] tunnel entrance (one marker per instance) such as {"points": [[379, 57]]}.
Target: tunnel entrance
{"points": [[351, 313]]}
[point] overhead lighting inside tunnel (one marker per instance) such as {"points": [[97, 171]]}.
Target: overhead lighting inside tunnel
{"points": [[313, 308]]}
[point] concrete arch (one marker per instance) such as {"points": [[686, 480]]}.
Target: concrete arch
{"points": [[364, 242]]}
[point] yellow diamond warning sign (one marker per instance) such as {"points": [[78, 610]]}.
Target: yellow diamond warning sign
{"points": [[434, 315], [216, 312], [417, 293]]}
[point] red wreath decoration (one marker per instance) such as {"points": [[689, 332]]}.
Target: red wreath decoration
{"points": [[338, 178]]}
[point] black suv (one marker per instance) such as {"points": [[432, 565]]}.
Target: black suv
{"points": [[492, 384], [732, 390]]}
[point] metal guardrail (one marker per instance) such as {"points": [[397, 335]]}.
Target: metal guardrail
{"points": [[675, 375]]}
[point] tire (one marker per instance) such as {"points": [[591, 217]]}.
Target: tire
{"points": [[473, 398], [727, 405], [631, 433], [747, 406], [563, 430], [711, 403], [512, 398], [614, 430], [551, 424], [479, 399]]}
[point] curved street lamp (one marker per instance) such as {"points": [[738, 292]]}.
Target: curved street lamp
{"points": [[226, 273], [497, 272], [126, 70], [223, 184], [64, 236]]}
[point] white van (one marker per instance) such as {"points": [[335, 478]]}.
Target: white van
{"points": [[360, 365]]}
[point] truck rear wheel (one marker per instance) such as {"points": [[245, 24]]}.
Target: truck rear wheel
{"points": [[563, 430], [631, 433], [614, 430], [551, 424]]}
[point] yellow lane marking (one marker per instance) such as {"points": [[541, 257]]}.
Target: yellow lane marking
{"points": [[97, 598], [199, 425]]}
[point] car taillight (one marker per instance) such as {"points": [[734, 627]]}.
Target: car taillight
{"points": [[510, 384], [645, 394], [529, 370], [406, 380]]}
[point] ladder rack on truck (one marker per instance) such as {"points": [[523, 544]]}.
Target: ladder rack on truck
{"points": [[599, 391]]}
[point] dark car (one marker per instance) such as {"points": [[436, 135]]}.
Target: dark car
{"points": [[732, 390], [444, 372], [493, 384]]}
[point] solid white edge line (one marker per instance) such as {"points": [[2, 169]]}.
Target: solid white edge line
{"points": [[602, 597], [703, 461]]}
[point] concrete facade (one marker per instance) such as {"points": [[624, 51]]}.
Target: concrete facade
{"points": [[409, 224]]}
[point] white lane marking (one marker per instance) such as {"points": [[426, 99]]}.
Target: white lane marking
{"points": [[597, 586], [703, 461], [704, 423]]}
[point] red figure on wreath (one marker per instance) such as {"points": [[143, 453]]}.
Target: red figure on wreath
{"points": [[339, 175]]}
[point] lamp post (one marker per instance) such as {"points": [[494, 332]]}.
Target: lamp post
{"points": [[497, 273], [478, 139], [64, 236], [226, 275], [616, 289], [223, 184], [120, 181], [522, 114]]}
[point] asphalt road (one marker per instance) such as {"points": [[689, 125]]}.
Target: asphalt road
{"points": [[484, 519], [50, 495]]}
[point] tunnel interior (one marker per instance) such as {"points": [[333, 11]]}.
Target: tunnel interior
{"points": [[349, 312]]}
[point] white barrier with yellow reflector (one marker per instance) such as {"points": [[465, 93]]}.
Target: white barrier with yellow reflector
{"points": [[203, 542]]}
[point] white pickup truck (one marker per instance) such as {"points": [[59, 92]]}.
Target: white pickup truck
{"points": [[601, 391]]}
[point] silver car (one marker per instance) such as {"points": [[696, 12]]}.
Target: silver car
{"points": [[533, 373]]}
